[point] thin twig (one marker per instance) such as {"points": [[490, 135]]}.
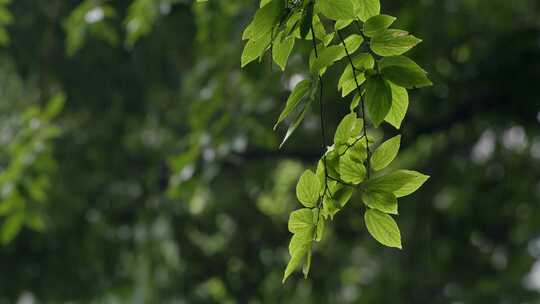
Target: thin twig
{"points": [[362, 101], [323, 133], [341, 182]]}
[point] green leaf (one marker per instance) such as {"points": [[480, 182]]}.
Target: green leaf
{"points": [[318, 26], [383, 201], [383, 228], [341, 24], [307, 265], [400, 183], [320, 175], [298, 120], [332, 162], [361, 63], [301, 220], [358, 151], [300, 240], [255, 49], [330, 207], [400, 103], [350, 126], [299, 247], [264, 20], [347, 84], [366, 9], [293, 264], [308, 188], [351, 171], [393, 42], [377, 24], [404, 72], [336, 9], [385, 153], [299, 92], [327, 56], [335, 199], [353, 42], [281, 49], [354, 103], [378, 99], [340, 193]]}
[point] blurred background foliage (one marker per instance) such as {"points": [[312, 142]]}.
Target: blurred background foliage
{"points": [[158, 180]]}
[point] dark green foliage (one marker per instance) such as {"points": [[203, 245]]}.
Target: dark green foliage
{"points": [[166, 185]]}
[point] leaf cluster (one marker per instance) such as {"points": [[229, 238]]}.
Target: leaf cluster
{"points": [[379, 74]]}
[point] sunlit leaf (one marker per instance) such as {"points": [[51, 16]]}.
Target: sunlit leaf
{"points": [[400, 182], [385, 153], [308, 188], [299, 92], [400, 104], [383, 228], [336, 9], [383, 201], [393, 42], [377, 24]]}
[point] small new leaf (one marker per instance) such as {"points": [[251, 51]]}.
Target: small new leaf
{"points": [[383, 228]]}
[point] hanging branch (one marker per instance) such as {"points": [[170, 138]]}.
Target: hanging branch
{"points": [[362, 104], [345, 167]]}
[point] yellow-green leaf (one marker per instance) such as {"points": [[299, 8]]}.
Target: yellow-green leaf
{"points": [[385, 153], [308, 188], [383, 228]]}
